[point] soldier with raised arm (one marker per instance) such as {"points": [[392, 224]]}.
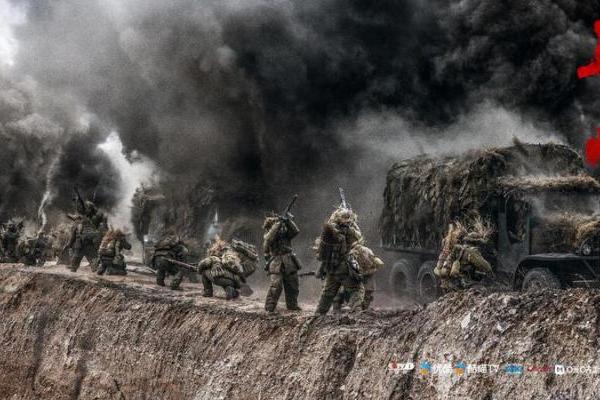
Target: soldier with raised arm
{"points": [[282, 263], [340, 234]]}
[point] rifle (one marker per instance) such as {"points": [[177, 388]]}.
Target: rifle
{"points": [[288, 209], [344, 203], [309, 273], [78, 201], [189, 267]]}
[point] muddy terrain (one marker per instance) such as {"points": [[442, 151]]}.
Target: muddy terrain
{"points": [[77, 336]]}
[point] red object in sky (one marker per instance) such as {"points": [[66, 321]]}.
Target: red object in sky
{"points": [[594, 67], [592, 150]]}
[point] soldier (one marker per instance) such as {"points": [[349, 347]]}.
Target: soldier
{"points": [[338, 267], [227, 265], [369, 264], [10, 235], [32, 250], [112, 261], [461, 264], [282, 264], [169, 247], [86, 234]]}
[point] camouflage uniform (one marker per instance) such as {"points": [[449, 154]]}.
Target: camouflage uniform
{"points": [[32, 251], [369, 264], [169, 247], [10, 241], [227, 265], [112, 260], [338, 268], [282, 264], [462, 265], [86, 234]]}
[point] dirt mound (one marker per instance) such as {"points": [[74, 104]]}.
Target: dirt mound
{"points": [[65, 336]]}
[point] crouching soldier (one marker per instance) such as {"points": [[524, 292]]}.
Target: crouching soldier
{"points": [[32, 250], [112, 261], [461, 264], [228, 266], [282, 264], [338, 268], [369, 264], [169, 247]]}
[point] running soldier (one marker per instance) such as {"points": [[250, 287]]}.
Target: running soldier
{"points": [[89, 227], [282, 263], [112, 260], [338, 267], [169, 247]]}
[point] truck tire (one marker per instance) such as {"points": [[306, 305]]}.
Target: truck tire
{"points": [[428, 285], [403, 278], [540, 278]]}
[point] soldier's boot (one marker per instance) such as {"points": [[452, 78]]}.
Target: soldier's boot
{"points": [[160, 277], [231, 293], [102, 269], [75, 263], [208, 287], [176, 281]]}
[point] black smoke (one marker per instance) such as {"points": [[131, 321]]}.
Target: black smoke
{"points": [[250, 96]]}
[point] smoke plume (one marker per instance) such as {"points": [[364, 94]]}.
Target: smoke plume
{"points": [[266, 98]]}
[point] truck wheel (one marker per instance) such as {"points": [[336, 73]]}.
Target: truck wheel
{"points": [[540, 278], [427, 283], [403, 278]]}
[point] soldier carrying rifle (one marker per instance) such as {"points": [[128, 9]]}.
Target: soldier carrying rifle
{"points": [[340, 234], [282, 263]]}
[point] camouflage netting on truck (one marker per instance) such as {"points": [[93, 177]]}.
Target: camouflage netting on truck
{"points": [[423, 195]]}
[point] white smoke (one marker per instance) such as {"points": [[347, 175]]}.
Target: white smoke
{"points": [[10, 16], [134, 171]]}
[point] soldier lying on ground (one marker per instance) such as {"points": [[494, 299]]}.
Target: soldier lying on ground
{"points": [[369, 263], [282, 263], [340, 234], [112, 261], [461, 264], [228, 266], [169, 247]]}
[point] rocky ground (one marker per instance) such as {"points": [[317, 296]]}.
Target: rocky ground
{"points": [[78, 336]]}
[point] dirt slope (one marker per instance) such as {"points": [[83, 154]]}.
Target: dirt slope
{"points": [[73, 336]]}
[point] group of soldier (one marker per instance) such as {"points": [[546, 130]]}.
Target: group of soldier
{"points": [[346, 265]]}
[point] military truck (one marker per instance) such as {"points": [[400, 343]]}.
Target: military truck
{"points": [[539, 198]]}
